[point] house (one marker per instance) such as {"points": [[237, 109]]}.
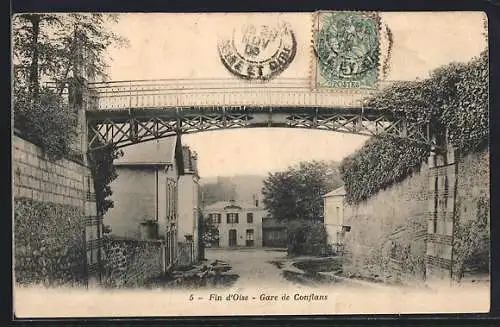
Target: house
{"points": [[239, 224], [145, 193], [188, 202], [334, 216]]}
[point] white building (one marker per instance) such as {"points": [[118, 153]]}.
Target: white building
{"points": [[239, 224], [334, 216], [188, 202]]}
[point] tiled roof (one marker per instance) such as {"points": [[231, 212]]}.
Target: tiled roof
{"points": [[336, 192], [160, 151]]}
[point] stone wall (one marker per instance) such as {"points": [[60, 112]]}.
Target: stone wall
{"points": [[186, 253], [49, 217], [471, 250], [130, 262], [387, 241], [473, 184], [35, 177], [387, 237]]}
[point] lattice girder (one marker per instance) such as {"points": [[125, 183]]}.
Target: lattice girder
{"points": [[128, 126]]}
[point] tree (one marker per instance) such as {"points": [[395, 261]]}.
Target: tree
{"points": [[48, 47], [209, 231], [296, 194], [103, 173]]}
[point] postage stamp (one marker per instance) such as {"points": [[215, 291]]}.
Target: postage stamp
{"points": [[258, 52], [346, 50]]}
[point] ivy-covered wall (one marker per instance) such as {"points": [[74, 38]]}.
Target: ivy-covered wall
{"points": [[130, 262], [49, 243], [472, 225], [387, 237]]}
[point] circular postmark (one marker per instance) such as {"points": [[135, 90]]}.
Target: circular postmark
{"points": [[347, 47], [258, 52]]}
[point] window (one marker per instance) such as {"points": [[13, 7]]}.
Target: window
{"points": [[249, 237], [232, 218], [171, 199], [215, 218], [250, 217], [338, 215]]}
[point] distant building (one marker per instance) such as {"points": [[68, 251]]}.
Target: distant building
{"points": [[145, 194], [334, 216], [239, 224]]}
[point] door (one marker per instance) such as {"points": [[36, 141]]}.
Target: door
{"points": [[232, 237], [249, 238]]}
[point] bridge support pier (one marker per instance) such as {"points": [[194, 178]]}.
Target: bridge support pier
{"points": [[79, 100]]}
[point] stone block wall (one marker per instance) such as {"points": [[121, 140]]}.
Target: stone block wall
{"points": [[49, 217], [35, 177], [130, 262]]}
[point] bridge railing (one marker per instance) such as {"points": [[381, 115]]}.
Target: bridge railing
{"points": [[215, 92]]}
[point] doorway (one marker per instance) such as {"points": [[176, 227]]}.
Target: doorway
{"points": [[249, 240], [232, 237]]}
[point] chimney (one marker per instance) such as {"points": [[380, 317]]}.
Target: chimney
{"points": [[256, 200]]}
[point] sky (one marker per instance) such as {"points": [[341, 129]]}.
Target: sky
{"points": [[184, 46]]}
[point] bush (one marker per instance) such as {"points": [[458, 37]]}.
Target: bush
{"points": [[471, 242], [46, 122], [306, 238], [48, 243]]}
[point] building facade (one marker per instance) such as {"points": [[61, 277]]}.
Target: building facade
{"points": [[239, 224], [145, 194], [188, 200], [334, 203]]}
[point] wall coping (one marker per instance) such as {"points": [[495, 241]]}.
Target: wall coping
{"points": [[74, 156]]}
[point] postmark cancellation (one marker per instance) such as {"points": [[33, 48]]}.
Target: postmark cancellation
{"points": [[258, 52]]}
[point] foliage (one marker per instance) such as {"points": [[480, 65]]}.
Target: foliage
{"points": [[209, 231], [53, 46], [453, 99], [103, 173], [201, 241], [46, 122], [306, 238], [471, 242], [49, 253], [296, 194], [380, 163]]}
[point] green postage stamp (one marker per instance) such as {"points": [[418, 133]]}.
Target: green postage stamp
{"points": [[346, 48]]}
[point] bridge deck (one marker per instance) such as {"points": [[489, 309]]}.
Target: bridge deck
{"points": [[284, 92]]}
